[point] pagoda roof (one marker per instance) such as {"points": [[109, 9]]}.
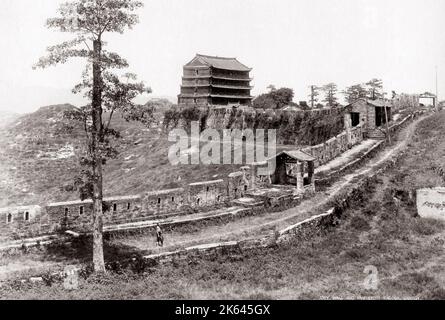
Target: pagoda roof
{"points": [[220, 63]]}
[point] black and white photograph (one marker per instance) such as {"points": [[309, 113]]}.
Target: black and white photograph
{"points": [[246, 151]]}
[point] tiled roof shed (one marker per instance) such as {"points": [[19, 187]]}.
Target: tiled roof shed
{"points": [[297, 155], [379, 103]]}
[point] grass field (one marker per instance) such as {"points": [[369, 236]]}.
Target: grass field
{"points": [[382, 230]]}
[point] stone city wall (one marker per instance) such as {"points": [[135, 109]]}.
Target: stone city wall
{"points": [[335, 146]]}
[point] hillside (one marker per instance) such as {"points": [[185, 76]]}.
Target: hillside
{"points": [[38, 160], [39, 157], [6, 117], [380, 231]]}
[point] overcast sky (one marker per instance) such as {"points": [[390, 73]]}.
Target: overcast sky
{"points": [[292, 43]]}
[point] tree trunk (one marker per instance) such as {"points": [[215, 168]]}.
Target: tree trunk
{"points": [[312, 97], [97, 133]]}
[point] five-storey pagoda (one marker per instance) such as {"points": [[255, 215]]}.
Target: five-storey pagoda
{"points": [[215, 81]]}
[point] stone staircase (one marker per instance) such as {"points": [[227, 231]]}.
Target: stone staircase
{"points": [[377, 134]]}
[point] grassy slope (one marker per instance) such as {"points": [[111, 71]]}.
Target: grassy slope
{"points": [[381, 231], [28, 174]]}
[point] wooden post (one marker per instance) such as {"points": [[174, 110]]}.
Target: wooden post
{"points": [[387, 125]]}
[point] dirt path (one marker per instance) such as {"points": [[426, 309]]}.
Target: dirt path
{"points": [[265, 224], [346, 157], [403, 136]]}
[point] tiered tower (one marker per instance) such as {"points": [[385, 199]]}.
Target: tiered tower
{"points": [[215, 81]]}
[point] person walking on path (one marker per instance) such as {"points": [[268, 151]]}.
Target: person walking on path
{"points": [[159, 236]]}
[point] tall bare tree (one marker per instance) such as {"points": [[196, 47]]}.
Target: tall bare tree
{"points": [[313, 97], [108, 91], [330, 91]]}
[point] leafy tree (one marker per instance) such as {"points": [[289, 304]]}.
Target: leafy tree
{"points": [[264, 101], [275, 99], [303, 105], [282, 97], [313, 97], [354, 93], [271, 88], [375, 89], [330, 91], [109, 92], [162, 104], [393, 94]]}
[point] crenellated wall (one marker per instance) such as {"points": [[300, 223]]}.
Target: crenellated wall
{"points": [[209, 193], [30, 221], [20, 221]]}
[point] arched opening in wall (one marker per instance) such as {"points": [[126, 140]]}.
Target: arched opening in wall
{"points": [[218, 198], [246, 188], [197, 72], [128, 206], [198, 202], [67, 211], [114, 208], [208, 189], [159, 201], [173, 199], [9, 218], [81, 211], [27, 216]]}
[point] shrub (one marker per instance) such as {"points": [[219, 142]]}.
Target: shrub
{"points": [[416, 283], [355, 253], [49, 279], [435, 294], [359, 223], [426, 227]]}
